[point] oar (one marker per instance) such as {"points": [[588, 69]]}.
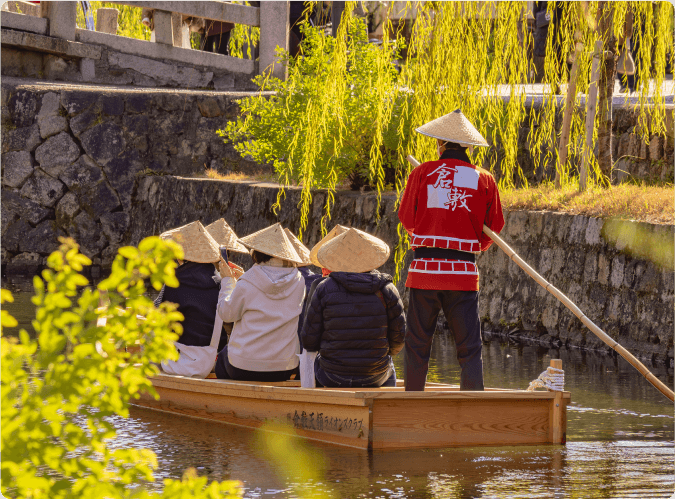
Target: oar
{"points": [[658, 384]]}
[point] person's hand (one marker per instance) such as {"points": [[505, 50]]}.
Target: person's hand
{"points": [[224, 270]]}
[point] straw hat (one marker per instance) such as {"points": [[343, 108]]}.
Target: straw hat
{"points": [[300, 249], [225, 236], [272, 241], [453, 127], [335, 231], [353, 251], [198, 245]]}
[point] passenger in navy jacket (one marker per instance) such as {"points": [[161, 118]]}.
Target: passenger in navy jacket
{"points": [[355, 318]]}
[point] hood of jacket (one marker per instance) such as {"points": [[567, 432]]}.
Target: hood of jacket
{"points": [[197, 275], [366, 282], [276, 282]]}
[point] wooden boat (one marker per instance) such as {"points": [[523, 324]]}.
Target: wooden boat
{"points": [[373, 418]]}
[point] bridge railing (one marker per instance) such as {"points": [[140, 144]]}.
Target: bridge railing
{"points": [[270, 17]]}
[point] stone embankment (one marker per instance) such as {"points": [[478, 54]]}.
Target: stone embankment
{"points": [[72, 158]]}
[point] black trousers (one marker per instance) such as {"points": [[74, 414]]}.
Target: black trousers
{"points": [[461, 311], [225, 370]]}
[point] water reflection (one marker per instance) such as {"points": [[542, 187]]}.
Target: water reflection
{"points": [[619, 432]]}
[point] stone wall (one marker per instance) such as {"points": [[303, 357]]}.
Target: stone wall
{"points": [[608, 269], [72, 157]]}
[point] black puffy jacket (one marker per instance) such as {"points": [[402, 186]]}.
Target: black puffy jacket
{"points": [[355, 321], [197, 299]]}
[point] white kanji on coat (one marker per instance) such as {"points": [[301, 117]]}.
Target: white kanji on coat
{"points": [[457, 197]]}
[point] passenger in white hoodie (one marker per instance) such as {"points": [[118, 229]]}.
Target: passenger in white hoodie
{"points": [[264, 306]]}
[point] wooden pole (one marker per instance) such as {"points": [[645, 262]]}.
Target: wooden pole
{"points": [[591, 103], [567, 115], [557, 423], [614, 345]]}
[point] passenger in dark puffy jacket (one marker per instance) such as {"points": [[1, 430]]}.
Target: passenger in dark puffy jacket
{"points": [[355, 318]]}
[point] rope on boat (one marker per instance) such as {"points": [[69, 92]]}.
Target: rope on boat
{"points": [[551, 379]]}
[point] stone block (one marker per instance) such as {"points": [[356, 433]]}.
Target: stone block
{"points": [[656, 148], [224, 82], [594, 231], [136, 124], [138, 103], [163, 27], [115, 226], [29, 210], [577, 233], [76, 101], [43, 189], [99, 199], [52, 125], [62, 17], [603, 269], [106, 20], [50, 105], [88, 69], [82, 174], [43, 239], [590, 268], [27, 20], [164, 73], [15, 233], [83, 122], [24, 264], [648, 280], [23, 108], [7, 218], [21, 139], [209, 108], [57, 153], [17, 166], [112, 104], [88, 234], [618, 264], [67, 208], [103, 142], [274, 31], [55, 67]]}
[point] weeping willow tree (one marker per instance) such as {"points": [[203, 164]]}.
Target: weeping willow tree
{"points": [[349, 108]]}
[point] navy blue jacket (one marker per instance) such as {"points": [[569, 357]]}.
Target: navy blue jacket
{"points": [[309, 278], [356, 322], [197, 299]]}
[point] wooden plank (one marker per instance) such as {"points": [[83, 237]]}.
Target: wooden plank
{"points": [[214, 10], [245, 390], [451, 423], [332, 423], [557, 408]]}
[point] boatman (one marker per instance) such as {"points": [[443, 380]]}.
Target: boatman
{"points": [[443, 209]]}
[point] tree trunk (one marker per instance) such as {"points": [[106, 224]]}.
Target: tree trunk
{"points": [[606, 89]]}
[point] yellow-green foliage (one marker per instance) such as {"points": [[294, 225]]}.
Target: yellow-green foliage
{"points": [[59, 389], [464, 55]]}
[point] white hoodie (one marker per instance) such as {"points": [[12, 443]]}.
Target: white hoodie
{"points": [[264, 305]]}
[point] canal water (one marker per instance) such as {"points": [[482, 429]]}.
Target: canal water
{"points": [[619, 439]]}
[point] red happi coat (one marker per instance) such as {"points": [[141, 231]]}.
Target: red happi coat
{"points": [[445, 205]]}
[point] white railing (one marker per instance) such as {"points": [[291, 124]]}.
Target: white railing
{"points": [[271, 17]]}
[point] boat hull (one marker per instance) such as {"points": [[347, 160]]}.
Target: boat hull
{"points": [[382, 418]]}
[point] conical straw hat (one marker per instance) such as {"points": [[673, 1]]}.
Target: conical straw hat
{"points": [[335, 231], [225, 236], [198, 245], [272, 241], [300, 249], [353, 251], [453, 127]]}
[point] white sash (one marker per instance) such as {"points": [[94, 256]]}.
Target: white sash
{"points": [[196, 362]]}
